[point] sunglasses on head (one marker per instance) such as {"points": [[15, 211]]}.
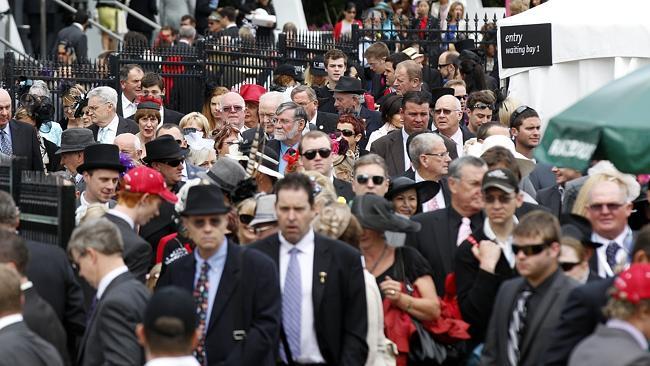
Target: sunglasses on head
{"points": [[521, 109], [173, 163], [528, 250], [480, 105], [376, 179], [311, 154], [346, 133], [200, 223], [567, 266], [245, 219]]}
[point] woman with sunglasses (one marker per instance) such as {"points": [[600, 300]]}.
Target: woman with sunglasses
{"points": [[246, 212], [344, 26], [352, 129]]}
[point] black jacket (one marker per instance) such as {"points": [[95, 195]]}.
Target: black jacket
{"points": [[137, 252], [123, 126], [21, 346], [25, 145], [42, 320]]}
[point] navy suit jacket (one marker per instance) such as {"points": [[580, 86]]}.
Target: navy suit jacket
{"points": [[244, 326], [326, 122], [137, 252], [25, 145], [340, 310]]}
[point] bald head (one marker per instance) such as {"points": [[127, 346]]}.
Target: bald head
{"points": [[233, 109], [447, 114], [130, 145], [5, 108]]}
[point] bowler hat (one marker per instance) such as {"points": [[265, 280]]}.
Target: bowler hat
{"points": [[426, 189], [350, 85], [251, 92], [75, 139], [286, 69], [376, 213], [163, 148], [101, 156], [205, 199]]}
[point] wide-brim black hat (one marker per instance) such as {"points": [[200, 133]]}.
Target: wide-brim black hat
{"points": [[350, 85], [426, 189], [163, 148], [376, 213], [579, 228], [101, 156], [205, 199]]}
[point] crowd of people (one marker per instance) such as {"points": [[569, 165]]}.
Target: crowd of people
{"points": [[395, 219]]}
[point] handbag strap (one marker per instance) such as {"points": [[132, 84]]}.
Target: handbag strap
{"points": [[401, 270]]}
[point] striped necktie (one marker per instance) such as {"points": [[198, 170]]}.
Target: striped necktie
{"points": [[292, 303], [517, 327], [5, 143]]}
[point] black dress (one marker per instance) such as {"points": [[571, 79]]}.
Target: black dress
{"points": [[415, 266]]}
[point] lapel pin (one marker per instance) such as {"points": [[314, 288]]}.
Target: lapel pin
{"points": [[323, 277]]}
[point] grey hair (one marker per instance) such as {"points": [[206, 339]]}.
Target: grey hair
{"points": [[456, 166], [360, 98], [274, 97], [39, 88], [105, 93], [8, 210], [311, 94], [187, 32], [98, 234], [423, 144], [298, 111]]}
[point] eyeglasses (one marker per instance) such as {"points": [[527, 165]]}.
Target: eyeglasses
{"points": [[567, 266], [501, 198], [529, 250], [284, 121], [346, 133], [461, 97], [200, 223], [376, 179], [444, 111], [173, 163], [245, 219], [440, 155], [311, 154], [611, 207], [232, 108], [440, 66]]}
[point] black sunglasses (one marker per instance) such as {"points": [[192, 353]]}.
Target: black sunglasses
{"points": [[529, 250], [245, 219], [346, 133], [521, 109], [200, 223], [311, 154], [376, 179], [173, 163], [501, 198], [567, 266]]}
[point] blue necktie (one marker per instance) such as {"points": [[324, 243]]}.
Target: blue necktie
{"points": [[5, 143], [610, 254], [292, 303]]}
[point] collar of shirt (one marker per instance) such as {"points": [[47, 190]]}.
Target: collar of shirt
{"points": [[108, 278], [407, 160], [126, 103], [113, 125], [7, 130], [26, 286], [174, 361], [184, 172], [457, 137], [6, 321], [506, 246], [305, 244], [601, 252], [621, 239], [123, 216], [216, 258], [629, 328]]}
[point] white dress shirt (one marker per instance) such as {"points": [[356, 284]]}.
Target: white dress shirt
{"points": [[457, 137], [128, 107], [506, 246], [106, 135], [439, 197], [624, 240], [407, 161], [174, 361], [6, 321], [309, 351], [108, 278]]}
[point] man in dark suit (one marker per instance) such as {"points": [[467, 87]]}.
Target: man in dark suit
{"points": [[316, 154], [348, 99], [18, 138], [154, 85], [330, 326], [228, 18], [551, 197], [138, 202], [447, 117], [102, 102], [527, 308], [131, 89], [75, 36], [96, 249], [443, 230], [542, 176], [38, 314], [430, 158], [18, 344], [236, 289], [392, 147], [306, 97]]}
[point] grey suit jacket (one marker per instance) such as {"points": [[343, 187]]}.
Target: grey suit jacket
{"points": [[137, 252], [391, 148], [542, 176], [42, 320], [110, 336], [550, 198], [20, 346], [539, 326], [611, 347]]}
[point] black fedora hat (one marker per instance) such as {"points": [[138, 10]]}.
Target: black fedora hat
{"points": [[205, 199], [426, 189], [376, 213], [579, 228], [101, 156], [163, 148], [75, 139], [350, 85]]}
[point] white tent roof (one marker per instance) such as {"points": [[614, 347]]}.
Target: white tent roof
{"points": [[588, 29]]}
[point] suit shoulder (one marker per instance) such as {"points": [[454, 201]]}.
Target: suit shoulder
{"points": [[341, 248], [426, 217]]}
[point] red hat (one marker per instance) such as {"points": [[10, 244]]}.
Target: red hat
{"points": [[633, 284], [143, 179], [251, 92]]}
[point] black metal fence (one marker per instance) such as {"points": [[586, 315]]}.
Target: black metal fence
{"points": [[232, 61]]}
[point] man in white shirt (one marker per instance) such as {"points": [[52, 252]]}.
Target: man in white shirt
{"points": [[316, 154], [430, 160], [131, 83], [96, 249], [447, 117], [102, 104]]}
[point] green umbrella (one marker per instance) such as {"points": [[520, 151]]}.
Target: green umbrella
{"points": [[612, 124]]}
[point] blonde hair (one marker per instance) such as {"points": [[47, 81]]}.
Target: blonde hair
{"points": [[505, 110], [584, 195], [200, 119], [576, 245], [333, 220], [93, 211]]}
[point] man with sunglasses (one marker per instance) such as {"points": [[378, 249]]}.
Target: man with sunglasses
{"points": [[189, 171], [480, 105], [447, 115], [237, 291], [527, 308], [447, 65], [370, 175], [316, 154], [233, 110], [485, 259]]}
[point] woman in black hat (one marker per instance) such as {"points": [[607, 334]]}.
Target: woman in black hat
{"points": [[408, 196]]}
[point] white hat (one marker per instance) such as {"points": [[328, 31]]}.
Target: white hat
{"points": [[526, 166]]}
